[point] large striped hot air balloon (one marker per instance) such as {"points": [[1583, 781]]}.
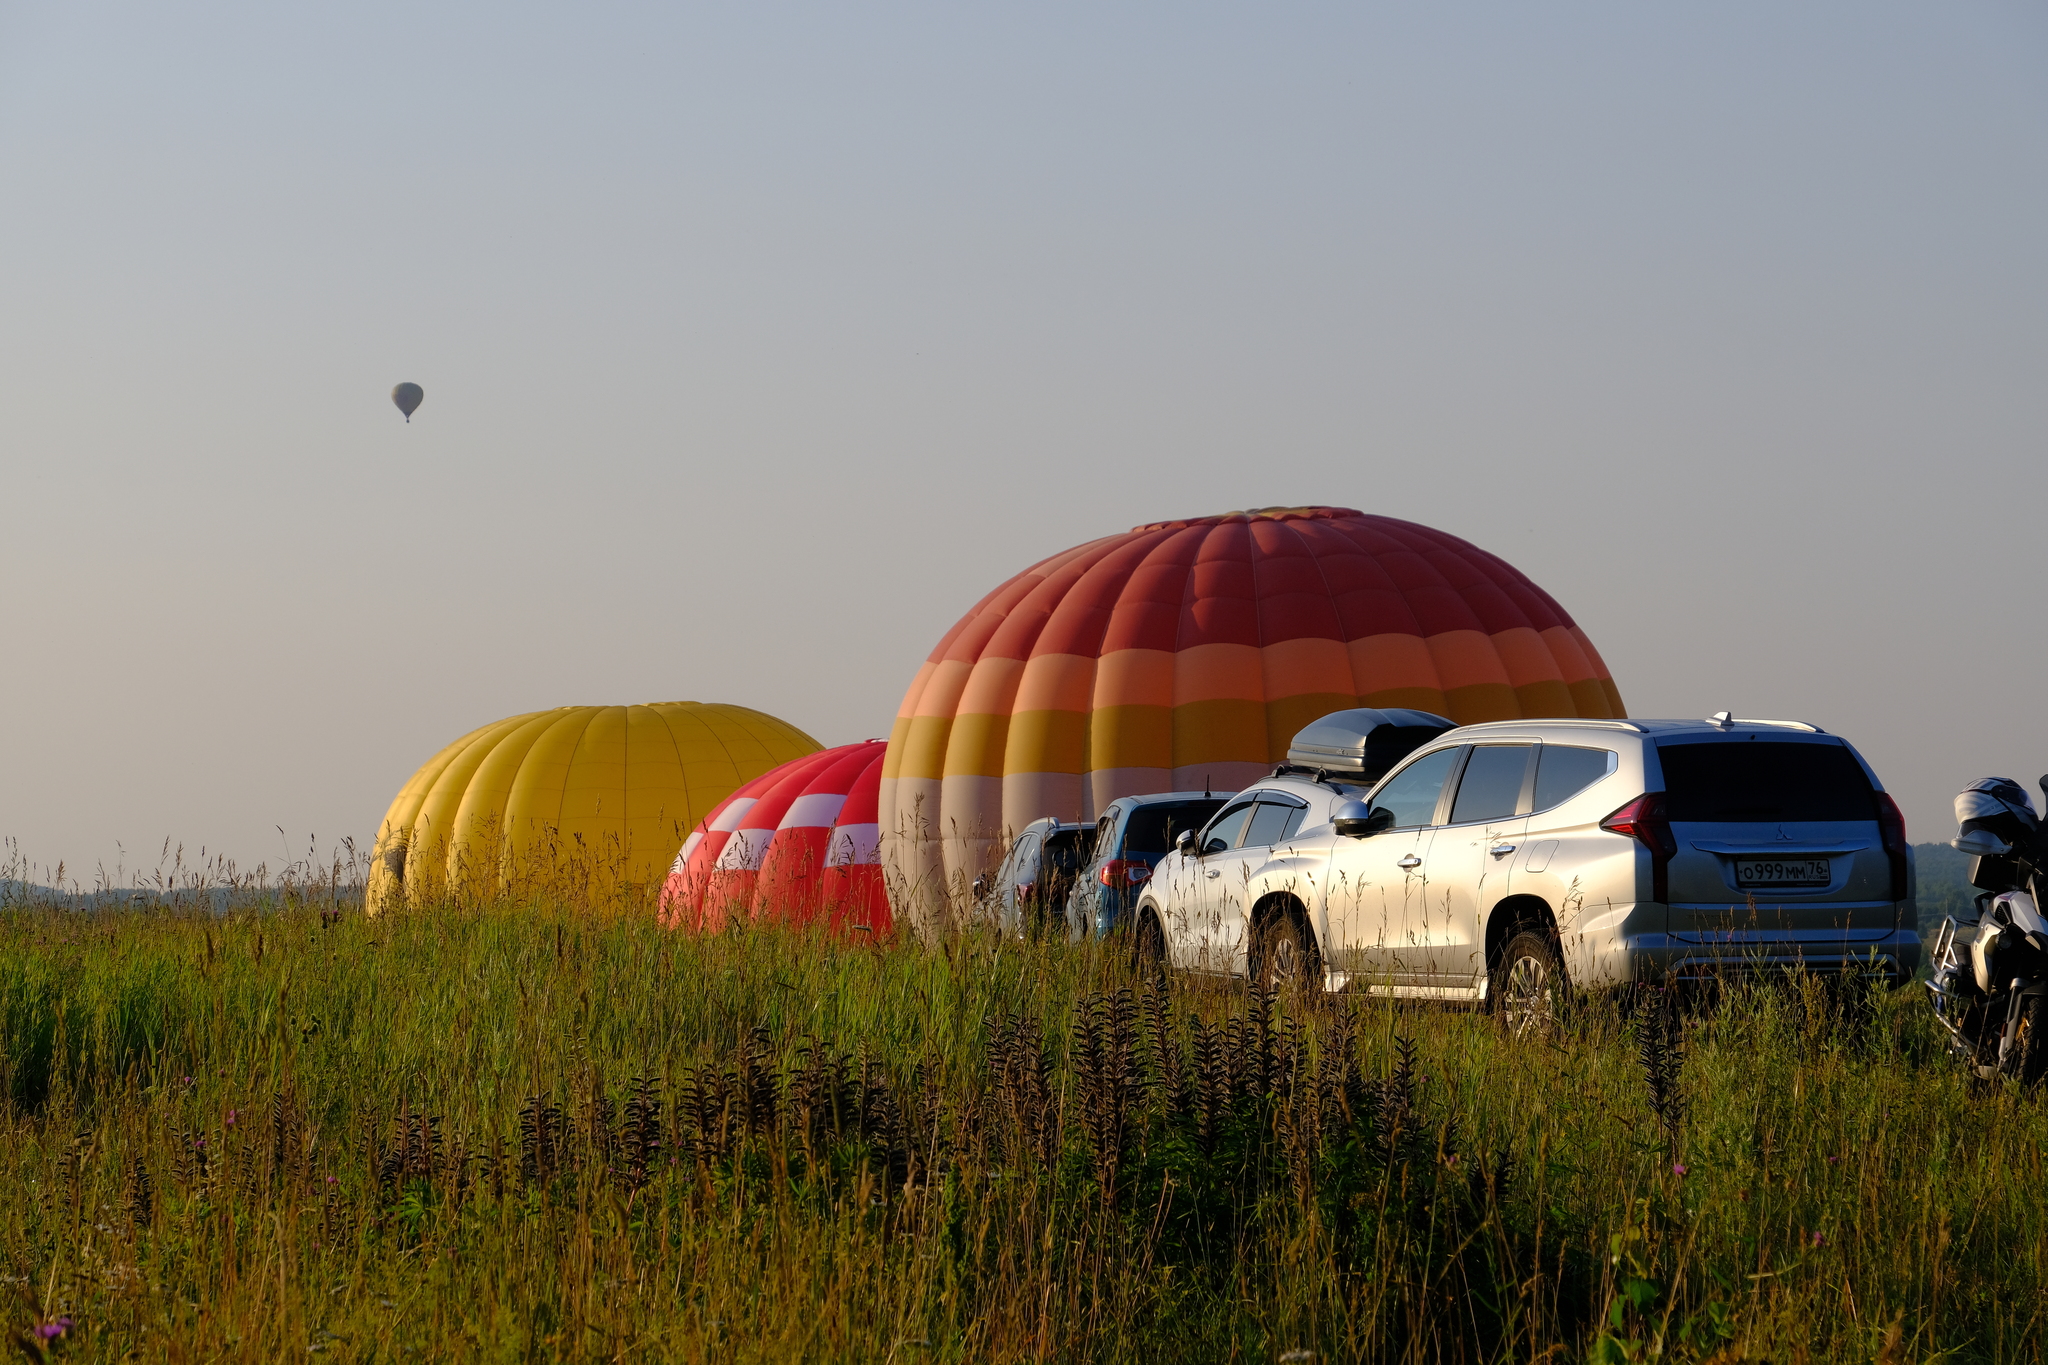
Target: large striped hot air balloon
{"points": [[1185, 654], [797, 843], [581, 800]]}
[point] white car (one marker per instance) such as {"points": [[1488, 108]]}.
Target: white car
{"points": [[1505, 861]]}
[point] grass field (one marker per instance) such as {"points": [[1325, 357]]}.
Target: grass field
{"points": [[520, 1133]]}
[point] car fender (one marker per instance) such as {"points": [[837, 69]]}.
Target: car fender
{"points": [[1298, 869]]}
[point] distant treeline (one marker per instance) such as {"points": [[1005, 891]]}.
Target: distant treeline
{"points": [[1944, 884]]}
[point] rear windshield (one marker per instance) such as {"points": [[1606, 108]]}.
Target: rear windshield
{"points": [[1761, 780], [1067, 849], [1154, 827]]}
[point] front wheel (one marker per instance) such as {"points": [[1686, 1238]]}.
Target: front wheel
{"points": [[1528, 986], [2030, 1041], [1285, 957]]}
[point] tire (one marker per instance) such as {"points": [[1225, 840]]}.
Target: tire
{"points": [[1529, 987], [2030, 1041], [1148, 945], [1284, 957]]}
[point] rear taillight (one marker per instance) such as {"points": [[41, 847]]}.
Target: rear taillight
{"points": [[1892, 825], [1645, 820], [1122, 872]]}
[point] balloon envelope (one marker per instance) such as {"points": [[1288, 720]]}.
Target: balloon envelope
{"points": [[798, 843], [1183, 655], [577, 801], [408, 397]]}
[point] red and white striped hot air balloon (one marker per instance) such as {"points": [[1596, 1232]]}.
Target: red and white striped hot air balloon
{"points": [[798, 843]]}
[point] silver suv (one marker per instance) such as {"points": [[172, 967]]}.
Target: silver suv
{"points": [[1508, 861]]}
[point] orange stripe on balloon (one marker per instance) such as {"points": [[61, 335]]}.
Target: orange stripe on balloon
{"points": [[1218, 672], [1572, 664], [1382, 663], [992, 686], [1057, 682], [1134, 677], [915, 692], [942, 690], [1598, 664], [1464, 659], [1526, 657], [1306, 664]]}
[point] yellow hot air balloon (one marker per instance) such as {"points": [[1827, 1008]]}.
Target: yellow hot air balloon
{"points": [[580, 801]]}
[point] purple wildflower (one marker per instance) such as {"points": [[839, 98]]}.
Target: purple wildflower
{"points": [[54, 1328], [1819, 1240], [1678, 1168]]}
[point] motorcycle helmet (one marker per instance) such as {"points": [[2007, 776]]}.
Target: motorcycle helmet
{"points": [[1999, 805]]}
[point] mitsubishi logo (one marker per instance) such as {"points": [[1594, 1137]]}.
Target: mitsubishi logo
{"points": [[1783, 837]]}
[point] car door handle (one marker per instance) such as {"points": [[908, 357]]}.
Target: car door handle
{"points": [[1410, 861], [1215, 871], [1501, 850]]}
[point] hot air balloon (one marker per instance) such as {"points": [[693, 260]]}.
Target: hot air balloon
{"points": [[408, 396], [797, 844], [1183, 655], [580, 801]]}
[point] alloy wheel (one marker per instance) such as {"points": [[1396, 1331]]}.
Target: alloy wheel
{"points": [[1528, 998]]}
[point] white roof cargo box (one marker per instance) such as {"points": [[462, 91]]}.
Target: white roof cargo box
{"points": [[1362, 745]]}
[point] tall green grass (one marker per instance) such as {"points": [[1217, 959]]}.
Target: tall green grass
{"points": [[522, 1133]]}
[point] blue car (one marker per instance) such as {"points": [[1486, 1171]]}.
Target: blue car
{"points": [[1132, 835]]}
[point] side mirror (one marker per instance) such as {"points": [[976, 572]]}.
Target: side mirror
{"points": [[1185, 843], [1356, 820], [1980, 843], [981, 886]]}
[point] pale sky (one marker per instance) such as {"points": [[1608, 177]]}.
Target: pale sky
{"points": [[760, 341]]}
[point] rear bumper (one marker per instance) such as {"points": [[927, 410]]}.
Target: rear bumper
{"points": [[1656, 957]]}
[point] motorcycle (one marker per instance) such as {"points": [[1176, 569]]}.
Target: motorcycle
{"points": [[1991, 994]]}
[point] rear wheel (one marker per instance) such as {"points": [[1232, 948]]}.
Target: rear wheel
{"points": [[1528, 986], [1148, 945], [1284, 956]]}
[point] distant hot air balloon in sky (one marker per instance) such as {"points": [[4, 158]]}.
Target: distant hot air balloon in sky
{"points": [[580, 800], [408, 397], [797, 843], [1183, 655]]}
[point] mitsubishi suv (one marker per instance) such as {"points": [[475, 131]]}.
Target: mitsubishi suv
{"points": [[1512, 861]]}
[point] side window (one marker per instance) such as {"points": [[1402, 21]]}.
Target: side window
{"points": [[1269, 825], [1491, 787], [1412, 793], [1224, 830], [1562, 771], [1293, 823], [1105, 831]]}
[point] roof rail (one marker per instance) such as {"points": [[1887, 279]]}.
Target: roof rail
{"points": [[1629, 726]]}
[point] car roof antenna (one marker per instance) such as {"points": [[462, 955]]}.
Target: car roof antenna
{"points": [[1205, 786]]}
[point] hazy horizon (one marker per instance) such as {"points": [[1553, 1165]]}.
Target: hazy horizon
{"points": [[757, 345]]}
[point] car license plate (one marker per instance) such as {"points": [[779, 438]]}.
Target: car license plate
{"points": [[1782, 872]]}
